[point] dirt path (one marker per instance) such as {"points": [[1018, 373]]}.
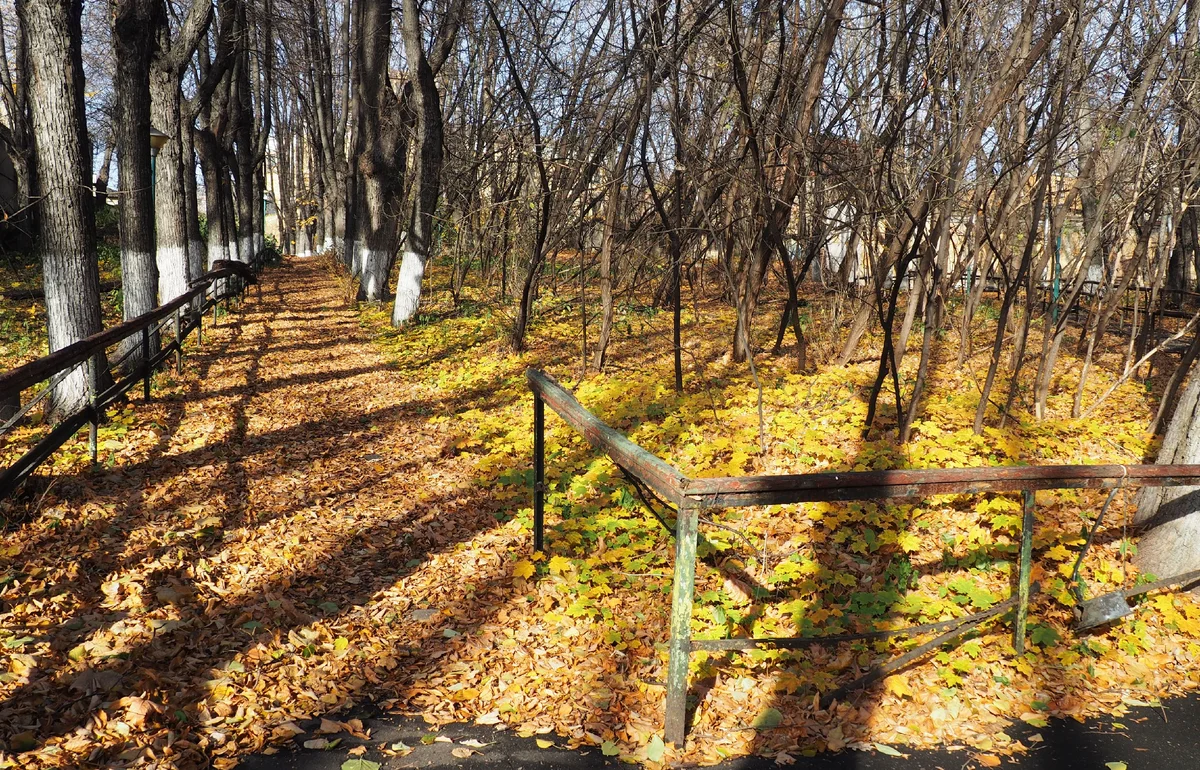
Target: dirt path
{"points": [[256, 552]]}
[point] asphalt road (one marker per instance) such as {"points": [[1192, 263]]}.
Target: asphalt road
{"points": [[1166, 738]]}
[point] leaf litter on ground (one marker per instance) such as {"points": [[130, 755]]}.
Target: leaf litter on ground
{"points": [[239, 566]]}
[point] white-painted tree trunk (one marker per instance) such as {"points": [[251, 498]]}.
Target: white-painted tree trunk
{"points": [[172, 272], [303, 243], [353, 257], [373, 278], [1170, 516], [408, 288]]}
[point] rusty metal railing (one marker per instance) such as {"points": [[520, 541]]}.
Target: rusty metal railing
{"points": [[691, 496]]}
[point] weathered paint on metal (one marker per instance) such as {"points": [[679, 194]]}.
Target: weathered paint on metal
{"points": [[539, 472], [665, 480], [1024, 571], [682, 591]]}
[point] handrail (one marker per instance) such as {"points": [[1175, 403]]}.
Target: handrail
{"points": [[666, 480], [672, 484], [887, 484], [64, 359], [690, 496], [16, 380]]}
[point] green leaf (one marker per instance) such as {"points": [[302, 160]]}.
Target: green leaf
{"points": [[1115, 765], [655, 749], [768, 719], [17, 642], [360, 764], [883, 748], [609, 749], [1043, 636], [328, 607]]}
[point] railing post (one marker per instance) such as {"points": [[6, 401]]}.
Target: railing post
{"points": [[1023, 574], [539, 472], [94, 425], [680, 645], [146, 362], [200, 323], [178, 343]]}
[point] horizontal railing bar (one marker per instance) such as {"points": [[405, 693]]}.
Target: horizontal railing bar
{"points": [[666, 480], [15, 473], [22, 377], [800, 642], [79, 352], [877, 485], [12, 422], [670, 483]]}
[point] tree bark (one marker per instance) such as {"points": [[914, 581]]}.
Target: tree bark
{"points": [[382, 159], [67, 226], [166, 110], [1169, 517], [135, 24], [418, 245]]}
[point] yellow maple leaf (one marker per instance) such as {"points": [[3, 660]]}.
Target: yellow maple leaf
{"points": [[523, 569], [898, 685], [909, 542], [559, 565]]}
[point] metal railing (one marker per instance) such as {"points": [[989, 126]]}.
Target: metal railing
{"points": [[691, 496], [182, 315]]}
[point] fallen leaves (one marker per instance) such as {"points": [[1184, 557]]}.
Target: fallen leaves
{"points": [[285, 537]]}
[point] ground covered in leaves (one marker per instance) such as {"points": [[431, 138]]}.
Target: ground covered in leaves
{"points": [[324, 511]]}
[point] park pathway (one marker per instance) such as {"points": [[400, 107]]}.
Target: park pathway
{"points": [[296, 529], [279, 534]]}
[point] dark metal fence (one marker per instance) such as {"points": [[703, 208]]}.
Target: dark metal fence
{"points": [[691, 496], [180, 316]]}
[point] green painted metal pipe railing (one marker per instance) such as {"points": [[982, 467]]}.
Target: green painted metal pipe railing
{"points": [[691, 496]]}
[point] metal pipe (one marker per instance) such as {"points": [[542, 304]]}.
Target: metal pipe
{"points": [[539, 473], [1025, 569], [679, 646], [146, 372], [179, 340], [94, 423]]}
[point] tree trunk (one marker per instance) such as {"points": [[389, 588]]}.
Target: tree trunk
{"points": [[166, 110], [101, 186], [170, 199], [67, 226], [381, 162], [216, 185], [418, 245], [134, 26], [1169, 517], [197, 248]]}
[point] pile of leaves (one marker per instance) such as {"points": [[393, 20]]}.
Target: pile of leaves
{"points": [[326, 511]]}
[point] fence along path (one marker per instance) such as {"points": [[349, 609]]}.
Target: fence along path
{"points": [[181, 316], [691, 496], [276, 494]]}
